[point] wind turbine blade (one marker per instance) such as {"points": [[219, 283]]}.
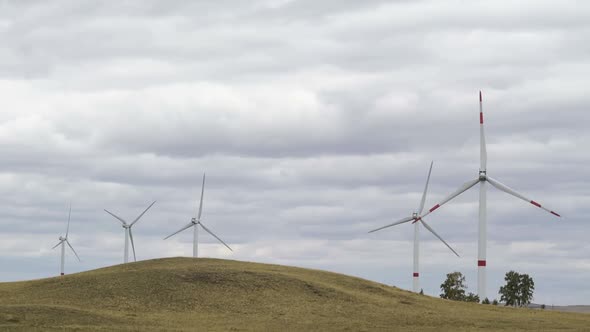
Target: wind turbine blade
{"points": [[119, 218], [180, 230], [514, 193], [425, 190], [201, 203], [55, 246], [132, 245], [483, 154], [69, 215], [141, 215], [395, 223], [458, 192], [215, 236], [74, 251], [438, 236]]}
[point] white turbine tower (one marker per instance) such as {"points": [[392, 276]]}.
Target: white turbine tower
{"points": [[196, 222], [63, 241], [128, 233], [416, 216], [482, 179]]}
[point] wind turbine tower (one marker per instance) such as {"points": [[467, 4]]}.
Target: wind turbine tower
{"points": [[128, 233], [483, 178], [416, 216], [196, 222], [63, 241]]}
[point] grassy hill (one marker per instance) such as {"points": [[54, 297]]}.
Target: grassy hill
{"points": [[210, 294]]}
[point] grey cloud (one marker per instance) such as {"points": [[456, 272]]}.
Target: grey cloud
{"points": [[315, 123]]}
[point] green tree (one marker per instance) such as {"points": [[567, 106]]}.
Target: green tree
{"points": [[527, 288], [421, 291], [509, 292], [485, 301], [518, 290], [472, 298], [454, 287], [495, 302]]}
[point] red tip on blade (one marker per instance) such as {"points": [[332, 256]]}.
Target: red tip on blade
{"points": [[481, 118], [480, 96], [555, 214], [434, 208], [416, 274], [535, 204], [481, 263]]}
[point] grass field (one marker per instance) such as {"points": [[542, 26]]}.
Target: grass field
{"points": [[183, 294]]}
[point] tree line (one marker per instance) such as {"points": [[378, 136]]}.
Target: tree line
{"points": [[517, 292]]}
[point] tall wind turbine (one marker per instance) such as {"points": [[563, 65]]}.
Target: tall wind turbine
{"points": [[417, 217], [63, 241], [482, 179], [195, 222], [128, 233]]}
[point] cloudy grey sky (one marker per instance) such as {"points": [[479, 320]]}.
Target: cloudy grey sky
{"points": [[315, 122]]}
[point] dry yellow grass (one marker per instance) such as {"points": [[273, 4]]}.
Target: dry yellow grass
{"points": [[183, 294]]}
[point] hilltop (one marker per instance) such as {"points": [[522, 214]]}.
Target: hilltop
{"points": [[211, 294]]}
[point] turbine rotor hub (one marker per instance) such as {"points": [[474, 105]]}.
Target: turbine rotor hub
{"points": [[482, 175]]}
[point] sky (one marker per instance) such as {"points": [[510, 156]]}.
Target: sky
{"points": [[315, 122]]}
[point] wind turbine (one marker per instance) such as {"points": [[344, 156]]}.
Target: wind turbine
{"points": [[128, 233], [196, 222], [482, 179], [63, 241], [417, 216]]}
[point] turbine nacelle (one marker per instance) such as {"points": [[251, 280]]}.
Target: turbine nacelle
{"points": [[416, 217]]}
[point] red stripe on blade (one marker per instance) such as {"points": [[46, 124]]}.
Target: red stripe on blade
{"points": [[481, 263], [481, 117], [535, 204], [434, 207], [557, 214], [416, 274]]}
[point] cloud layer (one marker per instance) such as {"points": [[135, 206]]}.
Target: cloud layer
{"points": [[315, 122]]}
